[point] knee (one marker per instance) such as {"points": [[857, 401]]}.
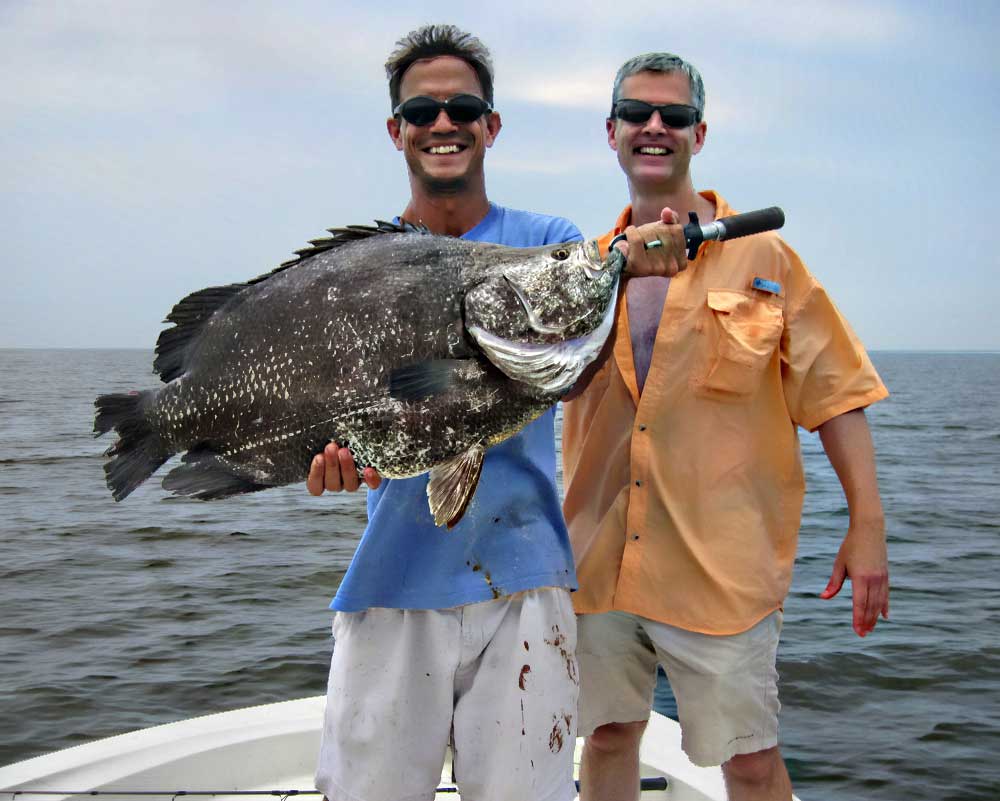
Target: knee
{"points": [[756, 768], [616, 737]]}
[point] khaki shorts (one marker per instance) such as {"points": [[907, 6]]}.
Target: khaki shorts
{"points": [[497, 678], [726, 686]]}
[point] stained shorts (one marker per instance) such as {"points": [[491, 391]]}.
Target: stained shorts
{"points": [[498, 678], [726, 687]]}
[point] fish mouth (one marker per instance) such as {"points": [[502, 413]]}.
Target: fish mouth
{"points": [[552, 368]]}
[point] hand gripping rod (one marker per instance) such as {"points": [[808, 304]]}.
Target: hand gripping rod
{"points": [[751, 222]]}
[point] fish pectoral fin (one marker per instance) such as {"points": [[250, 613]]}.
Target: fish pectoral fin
{"points": [[452, 485], [205, 475], [423, 379]]}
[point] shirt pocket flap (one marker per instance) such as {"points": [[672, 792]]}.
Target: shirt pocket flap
{"points": [[725, 300]]}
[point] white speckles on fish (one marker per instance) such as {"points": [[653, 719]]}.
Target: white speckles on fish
{"points": [[420, 351]]}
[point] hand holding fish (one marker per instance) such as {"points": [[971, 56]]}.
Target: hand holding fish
{"points": [[667, 258], [334, 470]]}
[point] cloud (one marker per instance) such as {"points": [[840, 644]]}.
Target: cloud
{"points": [[106, 56]]}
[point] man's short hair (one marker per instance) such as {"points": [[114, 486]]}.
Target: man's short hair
{"points": [[662, 62], [439, 40]]}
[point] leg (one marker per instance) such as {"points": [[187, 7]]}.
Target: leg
{"points": [[609, 769], [516, 699], [760, 776], [617, 679], [726, 688], [389, 705]]}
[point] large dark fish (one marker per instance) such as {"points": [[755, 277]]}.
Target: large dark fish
{"points": [[420, 351]]}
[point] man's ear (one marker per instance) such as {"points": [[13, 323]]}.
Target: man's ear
{"points": [[394, 127], [700, 130], [493, 126], [612, 142]]}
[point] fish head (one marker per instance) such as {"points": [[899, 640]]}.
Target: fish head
{"points": [[541, 315]]}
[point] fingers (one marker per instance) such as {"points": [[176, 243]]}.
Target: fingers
{"points": [[669, 216], [655, 249], [334, 470], [314, 483], [861, 613], [372, 478], [331, 478], [871, 599], [348, 471]]}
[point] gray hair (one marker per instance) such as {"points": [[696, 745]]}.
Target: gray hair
{"points": [[430, 41], [661, 62]]}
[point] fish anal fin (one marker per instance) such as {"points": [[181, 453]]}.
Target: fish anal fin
{"points": [[207, 476], [452, 485]]}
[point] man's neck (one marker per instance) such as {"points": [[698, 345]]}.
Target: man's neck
{"points": [[647, 205], [452, 215]]}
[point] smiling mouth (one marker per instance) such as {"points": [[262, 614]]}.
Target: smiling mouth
{"points": [[652, 150], [444, 150]]}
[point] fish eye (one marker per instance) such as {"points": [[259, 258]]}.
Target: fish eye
{"points": [[561, 254]]}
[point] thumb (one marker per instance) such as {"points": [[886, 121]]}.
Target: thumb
{"points": [[669, 216], [836, 581]]}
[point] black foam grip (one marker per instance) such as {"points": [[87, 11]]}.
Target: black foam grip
{"points": [[753, 222]]}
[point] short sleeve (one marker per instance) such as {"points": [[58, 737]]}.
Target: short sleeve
{"points": [[826, 370]]}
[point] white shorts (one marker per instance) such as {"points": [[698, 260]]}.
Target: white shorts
{"points": [[497, 678], [726, 687]]}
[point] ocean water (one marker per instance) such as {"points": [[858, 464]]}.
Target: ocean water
{"points": [[114, 617]]}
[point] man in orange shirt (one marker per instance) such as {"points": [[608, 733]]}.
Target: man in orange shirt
{"points": [[683, 473]]}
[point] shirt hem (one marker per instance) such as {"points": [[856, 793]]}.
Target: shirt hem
{"points": [[686, 625], [488, 593]]}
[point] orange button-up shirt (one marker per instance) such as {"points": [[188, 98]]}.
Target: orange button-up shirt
{"points": [[684, 504]]}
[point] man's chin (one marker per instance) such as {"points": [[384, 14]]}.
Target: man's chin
{"points": [[445, 186]]}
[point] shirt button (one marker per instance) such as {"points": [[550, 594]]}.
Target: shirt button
{"points": [[635, 536], [638, 483], [642, 428]]}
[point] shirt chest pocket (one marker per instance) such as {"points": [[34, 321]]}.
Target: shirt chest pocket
{"points": [[744, 330]]}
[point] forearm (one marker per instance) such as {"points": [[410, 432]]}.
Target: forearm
{"points": [[847, 441]]}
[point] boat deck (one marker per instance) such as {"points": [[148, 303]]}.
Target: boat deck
{"points": [[266, 751]]}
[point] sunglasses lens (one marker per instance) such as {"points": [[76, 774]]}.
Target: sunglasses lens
{"points": [[673, 115], [420, 110], [466, 108], [460, 108], [677, 116], [634, 111]]}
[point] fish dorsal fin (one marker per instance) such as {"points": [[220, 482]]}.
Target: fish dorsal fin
{"points": [[188, 317], [452, 484], [190, 314], [344, 236]]}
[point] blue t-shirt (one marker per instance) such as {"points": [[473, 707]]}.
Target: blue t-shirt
{"points": [[512, 536]]}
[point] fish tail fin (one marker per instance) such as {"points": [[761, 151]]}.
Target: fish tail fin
{"points": [[138, 452]]}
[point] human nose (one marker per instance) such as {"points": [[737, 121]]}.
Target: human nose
{"points": [[655, 123], [443, 122]]}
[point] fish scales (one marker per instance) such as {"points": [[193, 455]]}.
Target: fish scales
{"points": [[419, 351]]}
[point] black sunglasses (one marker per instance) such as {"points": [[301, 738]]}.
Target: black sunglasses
{"points": [[424, 110], [674, 115]]}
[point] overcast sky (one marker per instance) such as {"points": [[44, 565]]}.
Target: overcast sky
{"points": [[149, 149]]}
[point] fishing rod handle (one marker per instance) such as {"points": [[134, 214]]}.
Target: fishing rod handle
{"points": [[752, 222]]}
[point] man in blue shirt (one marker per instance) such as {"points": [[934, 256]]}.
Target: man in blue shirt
{"points": [[464, 635]]}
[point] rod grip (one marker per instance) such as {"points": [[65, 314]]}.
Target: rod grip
{"points": [[753, 222]]}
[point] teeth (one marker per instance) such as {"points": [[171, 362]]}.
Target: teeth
{"points": [[653, 151], [440, 149]]}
